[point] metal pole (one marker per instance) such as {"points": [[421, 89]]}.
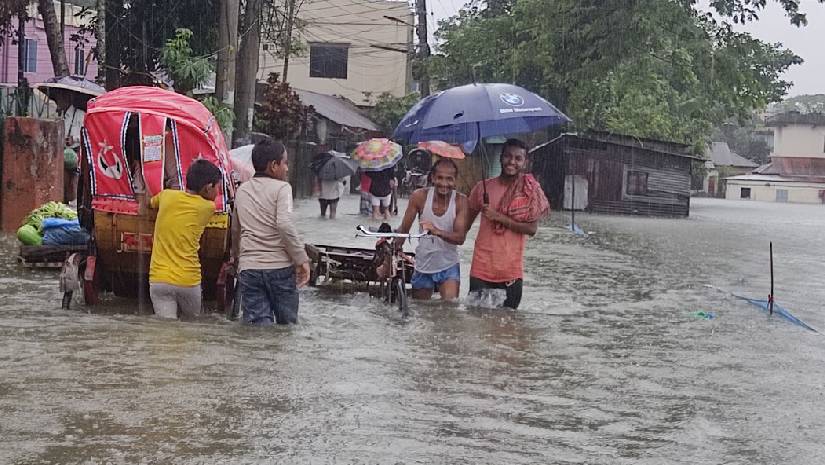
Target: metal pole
{"points": [[770, 296]]}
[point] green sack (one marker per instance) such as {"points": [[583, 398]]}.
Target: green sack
{"points": [[28, 235], [69, 159]]}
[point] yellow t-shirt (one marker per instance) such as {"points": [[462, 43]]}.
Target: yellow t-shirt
{"points": [[182, 217]]}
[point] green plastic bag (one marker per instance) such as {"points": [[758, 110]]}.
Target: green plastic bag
{"points": [[28, 235]]}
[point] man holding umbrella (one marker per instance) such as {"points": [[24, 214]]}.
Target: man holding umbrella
{"points": [[515, 204], [511, 204]]}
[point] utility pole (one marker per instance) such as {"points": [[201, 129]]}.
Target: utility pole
{"points": [[227, 48], [100, 33], [290, 20], [423, 47]]}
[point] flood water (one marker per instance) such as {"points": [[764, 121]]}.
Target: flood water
{"points": [[603, 364]]}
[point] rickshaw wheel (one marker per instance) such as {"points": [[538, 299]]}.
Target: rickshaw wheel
{"points": [[401, 297]]}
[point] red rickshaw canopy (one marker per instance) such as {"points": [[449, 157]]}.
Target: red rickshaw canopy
{"points": [[160, 156]]}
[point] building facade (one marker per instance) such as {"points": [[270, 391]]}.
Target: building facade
{"points": [[357, 50], [796, 172], [37, 63]]}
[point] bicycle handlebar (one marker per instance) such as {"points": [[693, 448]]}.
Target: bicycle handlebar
{"points": [[362, 231]]}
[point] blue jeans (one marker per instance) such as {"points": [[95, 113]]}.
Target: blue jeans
{"points": [[269, 296]]}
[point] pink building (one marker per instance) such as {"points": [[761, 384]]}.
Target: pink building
{"points": [[38, 63]]}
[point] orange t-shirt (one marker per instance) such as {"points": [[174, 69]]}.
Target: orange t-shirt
{"points": [[497, 258]]}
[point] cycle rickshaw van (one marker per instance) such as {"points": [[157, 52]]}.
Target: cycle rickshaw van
{"points": [[137, 141]]}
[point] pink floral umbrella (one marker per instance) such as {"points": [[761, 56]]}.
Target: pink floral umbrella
{"points": [[377, 154], [442, 149]]}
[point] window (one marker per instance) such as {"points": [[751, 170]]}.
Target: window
{"points": [[30, 56], [745, 193], [328, 60], [781, 195], [636, 183], [79, 61]]}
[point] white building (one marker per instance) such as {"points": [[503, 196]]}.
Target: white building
{"points": [[356, 50], [796, 172]]}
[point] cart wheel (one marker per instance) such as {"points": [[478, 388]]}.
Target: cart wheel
{"points": [[401, 298], [67, 300]]}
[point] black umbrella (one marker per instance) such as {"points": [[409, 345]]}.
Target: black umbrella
{"points": [[318, 161], [337, 167]]}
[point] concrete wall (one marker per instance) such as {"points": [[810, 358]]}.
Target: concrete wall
{"points": [[35, 30], [798, 140], [32, 167], [360, 25], [797, 192]]}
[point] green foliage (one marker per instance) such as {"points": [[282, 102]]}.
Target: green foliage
{"points": [[649, 68], [222, 113], [743, 139], [802, 103], [389, 110], [281, 113], [177, 58]]}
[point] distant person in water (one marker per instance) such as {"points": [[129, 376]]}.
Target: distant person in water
{"points": [[516, 204], [443, 212]]}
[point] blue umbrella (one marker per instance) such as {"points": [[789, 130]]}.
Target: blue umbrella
{"points": [[465, 114]]}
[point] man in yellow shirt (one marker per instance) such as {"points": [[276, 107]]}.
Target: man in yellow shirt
{"points": [[175, 269]]}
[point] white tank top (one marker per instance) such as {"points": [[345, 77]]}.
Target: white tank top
{"points": [[433, 254]]}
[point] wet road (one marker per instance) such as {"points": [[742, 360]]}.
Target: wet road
{"points": [[604, 363]]}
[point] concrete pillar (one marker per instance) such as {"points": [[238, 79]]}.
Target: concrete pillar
{"points": [[32, 167]]}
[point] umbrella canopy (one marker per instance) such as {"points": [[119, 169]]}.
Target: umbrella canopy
{"points": [[442, 149], [337, 167], [241, 160], [318, 161], [465, 114], [377, 154], [70, 91]]}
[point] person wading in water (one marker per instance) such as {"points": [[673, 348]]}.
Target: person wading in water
{"points": [[516, 204], [443, 212]]}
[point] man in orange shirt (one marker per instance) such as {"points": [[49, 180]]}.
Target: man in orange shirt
{"points": [[514, 205]]}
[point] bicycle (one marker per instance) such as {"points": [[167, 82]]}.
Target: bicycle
{"points": [[396, 265]]}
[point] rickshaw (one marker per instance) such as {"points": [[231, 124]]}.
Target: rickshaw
{"points": [[135, 142]]}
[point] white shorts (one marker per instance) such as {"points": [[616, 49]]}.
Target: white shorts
{"points": [[380, 201], [168, 300]]}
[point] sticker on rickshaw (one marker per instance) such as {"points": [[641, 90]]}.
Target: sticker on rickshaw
{"points": [[152, 146], [135, 242]]}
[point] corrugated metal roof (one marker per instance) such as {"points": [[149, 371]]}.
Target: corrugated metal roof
{"points": [[721, 155], [336, 109]]}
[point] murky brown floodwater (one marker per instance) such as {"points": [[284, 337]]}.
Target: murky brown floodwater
{"points": [[603, 365]]}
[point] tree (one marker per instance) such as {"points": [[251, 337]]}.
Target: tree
{"points": [[54, 37], [227, 48], [222, 113], [247, 67], [281, 114], [802, 103], [187, 71], [650, 68], [389, 110]]}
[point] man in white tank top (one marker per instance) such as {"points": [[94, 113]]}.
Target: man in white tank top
{"points": [[442, 211]]}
